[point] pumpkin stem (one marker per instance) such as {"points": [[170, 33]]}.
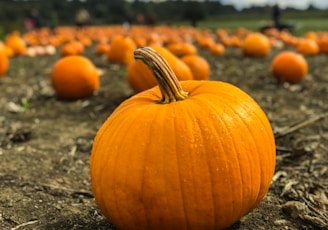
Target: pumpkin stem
{"points": [[167, 81]]}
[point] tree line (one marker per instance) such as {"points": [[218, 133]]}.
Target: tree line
{"points": [[61, 12]]}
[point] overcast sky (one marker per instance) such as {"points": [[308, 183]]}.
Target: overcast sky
{"points": [[299, 4]]}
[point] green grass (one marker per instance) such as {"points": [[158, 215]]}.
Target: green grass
{"points": [[303, 21]]}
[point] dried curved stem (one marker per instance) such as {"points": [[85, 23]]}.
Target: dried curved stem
{"points": [[168, 83]]}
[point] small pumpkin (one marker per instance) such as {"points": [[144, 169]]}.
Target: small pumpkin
{"points": [[7, 50], [4, 60], [323, 44], [73, 47], [181, 49], [102, 48], [217, 49], [121, 50], [183, 155], [205, 41], [198, 65], [256, 45], [235, 41], [74, 77], [289, 66], [16, 43], [308, 47], [86, 41], [311, 35]]}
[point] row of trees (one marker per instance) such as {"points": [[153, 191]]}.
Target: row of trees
{"points": [[109, 11], [13, 12]]}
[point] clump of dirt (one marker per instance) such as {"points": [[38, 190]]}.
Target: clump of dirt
{"points": [[45, 143]]}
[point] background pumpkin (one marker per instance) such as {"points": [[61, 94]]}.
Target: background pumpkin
{"points": [[74, 77], [198, 65], [4, 60], [308, 47], [16, 43], [182, 48], [73, 47], [102, 48], [199, 155], [139, 76], [289, 66], [181, 70], [217, 49], [323, 44], [121, 50], [256, 45]]}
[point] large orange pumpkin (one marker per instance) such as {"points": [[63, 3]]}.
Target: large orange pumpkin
{"points": [[74, 77], [184, 155], [289, 66], [256, 45]]}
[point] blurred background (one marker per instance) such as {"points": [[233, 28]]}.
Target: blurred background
{"points": [[302, 15]]}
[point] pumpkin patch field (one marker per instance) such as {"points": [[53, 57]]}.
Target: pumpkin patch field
{"points": [[77, 151]]}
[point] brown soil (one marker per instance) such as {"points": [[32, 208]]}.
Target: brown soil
{"points": [[45, 143]]}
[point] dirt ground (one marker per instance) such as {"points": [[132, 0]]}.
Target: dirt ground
{"points": [[45, 143]]}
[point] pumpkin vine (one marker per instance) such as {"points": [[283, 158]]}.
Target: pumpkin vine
{"points": [[168, 83]]}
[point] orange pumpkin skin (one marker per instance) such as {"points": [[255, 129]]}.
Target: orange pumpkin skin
{"points": [[139, 76], [102, 48], [308, 47], [69, 49], [121, 50], [288, 66], [198, 65], [199, 163], [182, 48], [323, 44], [4, 60], [217, 49], [74, 77], [16, 43], [6, 50], [256, 45]]}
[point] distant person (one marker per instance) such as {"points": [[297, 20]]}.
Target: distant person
{"points": [[276, 23], [82, 18], [34, 20], [36, 17], [151, 19], [53, 22], [140, 19], [127, 23], [29, 24], [276, 13]]}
